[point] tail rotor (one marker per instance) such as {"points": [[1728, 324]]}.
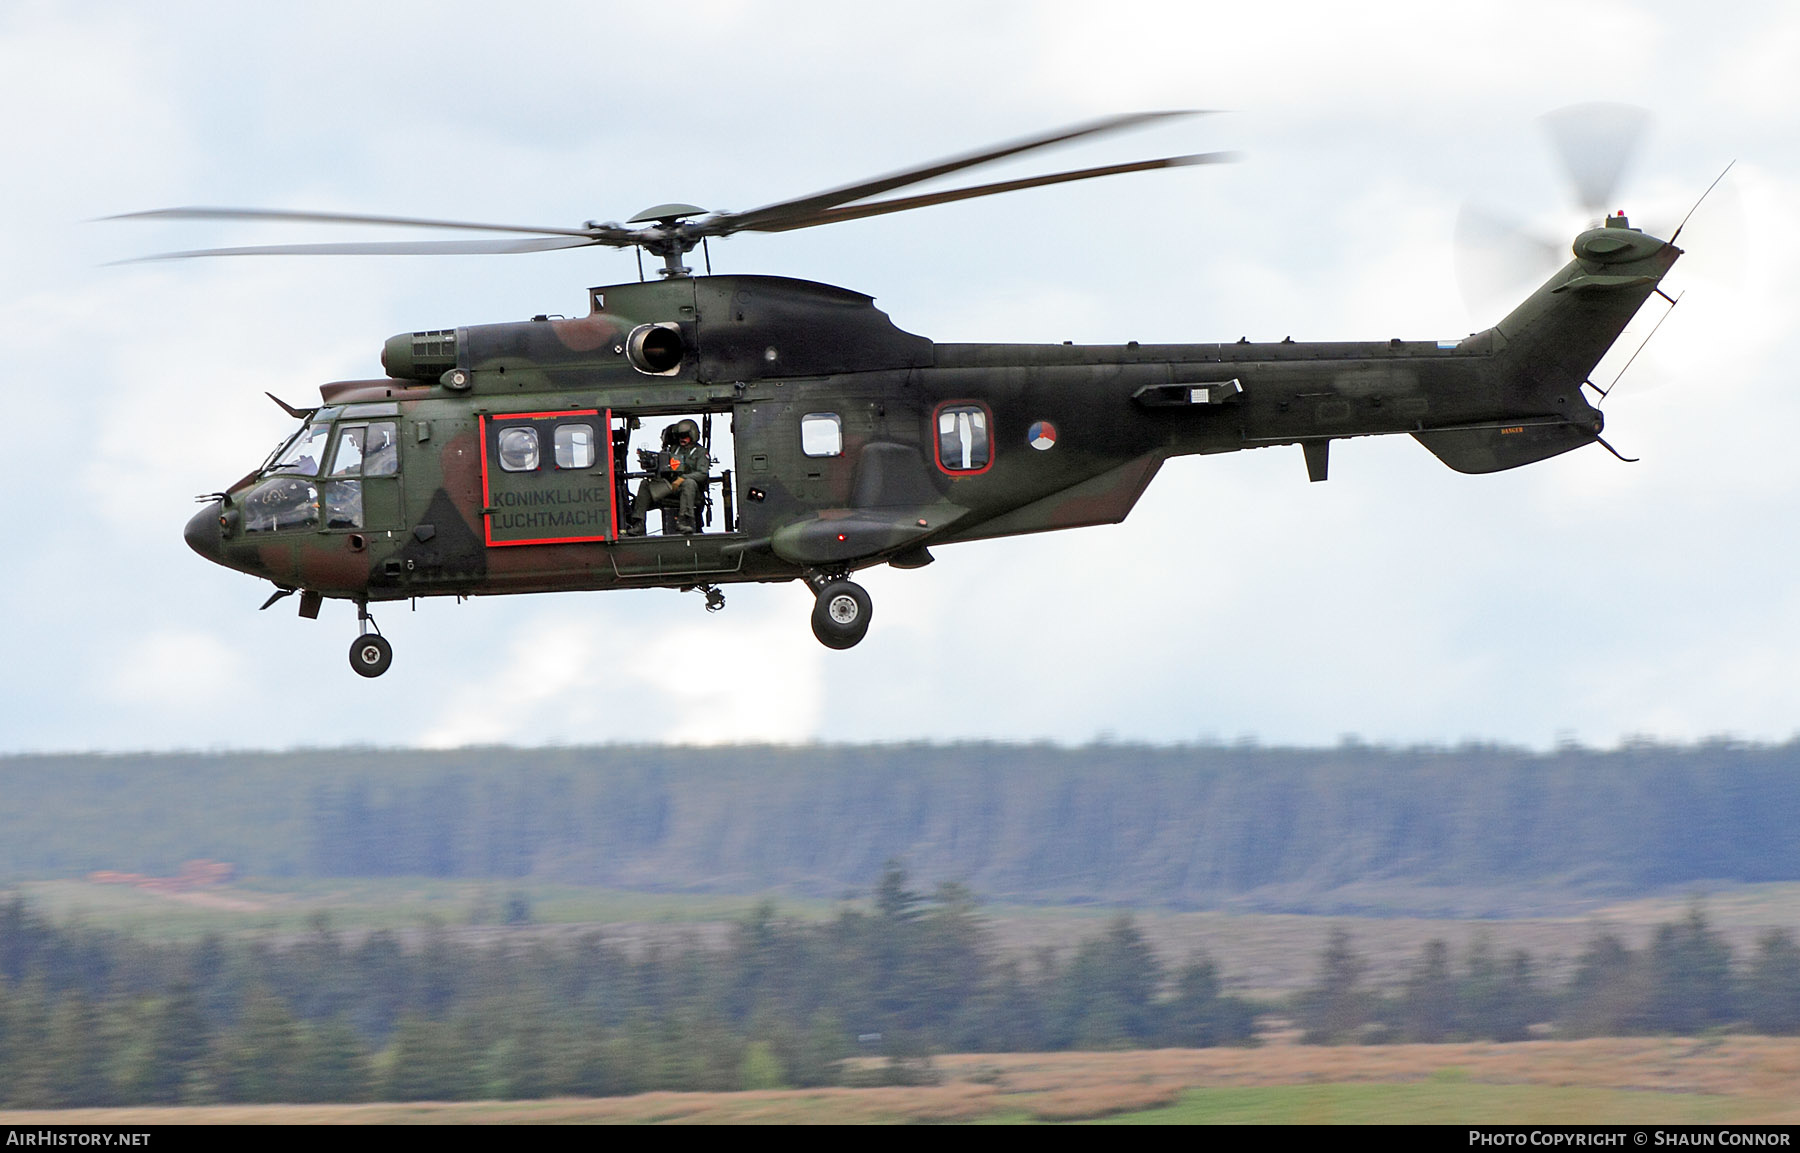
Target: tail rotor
{"points": [[1595, 145], [1499, 259]]}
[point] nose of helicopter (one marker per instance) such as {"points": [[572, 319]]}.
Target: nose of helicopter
{"points": [[202, 532]]}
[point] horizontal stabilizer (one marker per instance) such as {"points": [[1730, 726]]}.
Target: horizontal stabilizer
{"points": [[1495, 448]]}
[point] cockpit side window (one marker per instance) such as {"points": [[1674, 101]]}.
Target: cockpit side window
{"points": [[348, 459], [343, 504], [366, 450], [281, 502], [381, 449], [289, 498]]}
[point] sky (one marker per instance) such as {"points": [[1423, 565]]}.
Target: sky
{"points": [[1581, 599]]}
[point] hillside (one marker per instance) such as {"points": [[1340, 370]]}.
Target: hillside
{"points": [[1476, 830]]}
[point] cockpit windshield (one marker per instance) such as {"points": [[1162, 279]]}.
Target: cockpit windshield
{"points": [[302, 454]]}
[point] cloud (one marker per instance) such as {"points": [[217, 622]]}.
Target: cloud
{"points": [[176, 669], [1398, 600], [570, 674]]}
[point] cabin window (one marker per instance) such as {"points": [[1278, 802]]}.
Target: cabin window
{"points": [[962, 438], [281, 502], [575, 446], [822, 434], [519, 449]]}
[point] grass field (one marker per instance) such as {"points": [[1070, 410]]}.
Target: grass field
{"points": [[1430, 1104], [1737, 1080]]}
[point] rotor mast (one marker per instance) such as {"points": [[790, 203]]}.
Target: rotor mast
{"points": [[670, 238]]}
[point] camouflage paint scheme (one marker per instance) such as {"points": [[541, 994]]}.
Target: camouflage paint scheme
{"points": [[761, 352]]}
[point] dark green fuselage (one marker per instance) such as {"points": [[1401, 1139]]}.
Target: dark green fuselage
{"points": [[1063, 435]]}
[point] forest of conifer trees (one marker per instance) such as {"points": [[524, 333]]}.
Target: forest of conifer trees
{"points": [[868, 994], [92, 1017], [89, 1017]]}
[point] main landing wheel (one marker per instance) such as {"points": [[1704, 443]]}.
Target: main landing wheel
{"points": [[371, 655], [841, 615]]}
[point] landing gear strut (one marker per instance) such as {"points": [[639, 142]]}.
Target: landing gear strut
{"points": [[840, 616], [371, 655]]}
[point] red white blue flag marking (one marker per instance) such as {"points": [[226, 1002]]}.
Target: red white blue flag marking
{"points": [[1041, 435]]}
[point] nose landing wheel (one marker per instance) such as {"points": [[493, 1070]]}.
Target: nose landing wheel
{"points": [[840, 616], [371, 654]]}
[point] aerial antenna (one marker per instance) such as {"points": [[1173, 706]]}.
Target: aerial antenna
{"points": [[1700, 201]]}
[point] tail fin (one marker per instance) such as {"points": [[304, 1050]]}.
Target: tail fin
{"points": [[1547, 347]]}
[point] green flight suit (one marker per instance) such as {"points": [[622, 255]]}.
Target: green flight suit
{"points": [[679, 483]]}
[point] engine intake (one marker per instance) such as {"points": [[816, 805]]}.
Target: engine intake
{"points": [[420, 355], [655, 349]]}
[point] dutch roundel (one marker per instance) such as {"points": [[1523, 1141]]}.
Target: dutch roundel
{"points": [[1041, 435]]}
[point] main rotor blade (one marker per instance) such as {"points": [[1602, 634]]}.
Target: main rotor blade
{"points": [[1595, 142], [882, 207], [764, 218], [387, 248], [200, 213]]}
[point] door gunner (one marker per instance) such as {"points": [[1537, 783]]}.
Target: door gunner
{"points": [[677, 479]]}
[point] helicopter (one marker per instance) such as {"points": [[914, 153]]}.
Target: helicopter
{"points": [[499, 458]]}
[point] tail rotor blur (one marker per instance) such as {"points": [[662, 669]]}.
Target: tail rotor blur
{"points": [[1499, 259], [1595, 145]]}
